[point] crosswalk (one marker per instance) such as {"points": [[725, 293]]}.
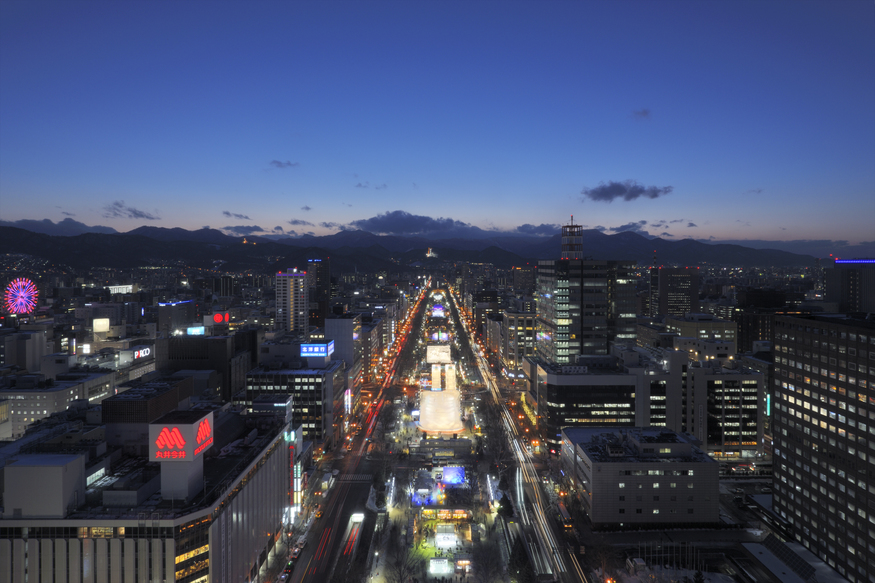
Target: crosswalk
{"points": [[355, 477]]}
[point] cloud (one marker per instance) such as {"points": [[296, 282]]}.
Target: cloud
{"points": [[362, 185], [755, 191], [63, 228], [641, 113], [306, 208], [380, 186], [414, 185], [282, 165], [243, 229], [330, 225], [627, 190], [690, 225], [635, 227], [404, 223], [658, 224], [278, 229], [743, 223], [677, 221], [300, 222], [68, 214], [600, 228], [346, 204], [118, 210], [666, 234], [231, 215], [542, 229]]}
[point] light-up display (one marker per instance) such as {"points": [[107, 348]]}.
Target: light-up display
{"points": [[21, 296], [180, 442], [317, 349]]}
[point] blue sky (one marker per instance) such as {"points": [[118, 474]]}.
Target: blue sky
{"points": [[751, 121]]}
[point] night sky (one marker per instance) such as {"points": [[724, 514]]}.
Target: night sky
{"points": [[719, 121]]}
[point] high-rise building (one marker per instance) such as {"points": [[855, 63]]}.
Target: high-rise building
{"points": [[517, 339], [582, 306], [851, 283], [292, 301], [319, 275], [674, 291], [824, 453]]}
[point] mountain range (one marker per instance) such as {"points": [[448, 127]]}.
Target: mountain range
{"points": [[362, 250]]}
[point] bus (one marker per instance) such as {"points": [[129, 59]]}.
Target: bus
{"points": [[565, 517]]}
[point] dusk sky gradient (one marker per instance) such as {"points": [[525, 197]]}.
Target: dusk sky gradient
{"points": [[724, 121]]}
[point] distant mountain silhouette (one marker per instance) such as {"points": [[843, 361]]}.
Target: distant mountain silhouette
{"points": [[363, 251]]}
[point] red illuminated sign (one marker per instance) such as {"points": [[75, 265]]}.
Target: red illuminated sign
{"points": [[219, 318], [171, 440], [204, 436], [204, 430]]}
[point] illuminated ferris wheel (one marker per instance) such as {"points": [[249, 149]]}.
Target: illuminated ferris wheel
{"points": [[20, 297]]}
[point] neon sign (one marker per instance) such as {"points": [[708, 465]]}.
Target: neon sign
{"points": [[142, 353], [174, 440], [204, 436], [170, 439]]}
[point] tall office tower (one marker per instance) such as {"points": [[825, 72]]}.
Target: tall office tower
{"points": [[582, 306], [851, 283], [824, 454], [319, 272], [674, 291], [292, 301]]}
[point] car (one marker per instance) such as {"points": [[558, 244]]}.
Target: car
{"points": [[296, 552], [335, 472], [290, 566]]}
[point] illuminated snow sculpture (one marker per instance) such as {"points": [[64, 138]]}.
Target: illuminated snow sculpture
{"points": [[440, 411]]}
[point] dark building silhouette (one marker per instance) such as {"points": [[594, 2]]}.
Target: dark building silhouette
{"points": [[319, 272], [851, 283], [674, 291]]}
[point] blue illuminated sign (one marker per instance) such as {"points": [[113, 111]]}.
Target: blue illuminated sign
{"points": [[317, 349], [195, 331]]}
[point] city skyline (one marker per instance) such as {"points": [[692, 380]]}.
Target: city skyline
{"points": [[720, 122]]}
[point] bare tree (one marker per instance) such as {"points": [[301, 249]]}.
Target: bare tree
{"points": [[402, 565], [487, 563]]}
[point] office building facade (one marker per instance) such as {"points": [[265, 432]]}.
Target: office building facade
{"points": [[629, 477], [824, 452], [583, 306]]}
